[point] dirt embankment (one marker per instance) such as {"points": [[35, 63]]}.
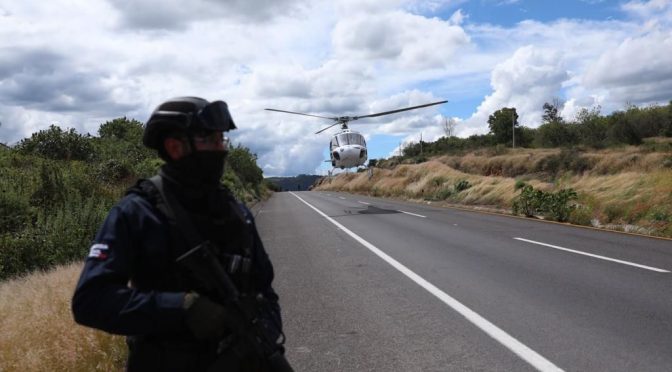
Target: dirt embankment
{"points": [[627, 189]]}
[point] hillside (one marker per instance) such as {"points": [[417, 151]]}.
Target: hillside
{"points": [[627, 188], [298, 183]]}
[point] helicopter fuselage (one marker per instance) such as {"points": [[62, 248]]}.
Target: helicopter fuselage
{"points": [[347, 149]]}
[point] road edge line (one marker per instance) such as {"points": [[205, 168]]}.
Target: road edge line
{"points": [[524, 352]]}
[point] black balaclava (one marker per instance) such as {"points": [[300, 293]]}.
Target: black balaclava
{"points": [[197, 174]]}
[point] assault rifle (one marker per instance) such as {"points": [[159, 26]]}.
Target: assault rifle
{"points": [[256, 335]]}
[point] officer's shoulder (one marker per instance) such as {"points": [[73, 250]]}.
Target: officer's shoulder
{"points": [[143, 194], [228, 195]]}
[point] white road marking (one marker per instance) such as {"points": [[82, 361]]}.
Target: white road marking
{"points": [[520, 349], [595, 256], [340, 197], [365, 203], [412, 214]]}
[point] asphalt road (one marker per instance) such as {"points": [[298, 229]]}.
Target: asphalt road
{"points": [[369, 284]]}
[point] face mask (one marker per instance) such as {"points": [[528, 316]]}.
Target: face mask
{"points": [[200, 168]]}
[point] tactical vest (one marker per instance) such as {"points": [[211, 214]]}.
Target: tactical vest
{"points": [[229, 229]]}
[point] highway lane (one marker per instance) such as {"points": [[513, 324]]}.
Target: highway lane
{"points": [[576, 312]]}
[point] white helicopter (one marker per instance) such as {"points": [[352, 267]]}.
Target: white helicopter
{"points": [[347, 148]]}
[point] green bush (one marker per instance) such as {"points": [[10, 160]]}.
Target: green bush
{"points": [[558, 205], [519, 185], [244, 163], [113, 170], [443, 193], [529, 202], [436, 181], [56, 144], [51, 189], [461, 185], [581, 215], [15, 211], [60, 235]]}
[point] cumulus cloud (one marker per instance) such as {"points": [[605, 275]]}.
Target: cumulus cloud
{"points": [[348, 57], [409, 40], [528, 79], [46, 80], [636, 71]]}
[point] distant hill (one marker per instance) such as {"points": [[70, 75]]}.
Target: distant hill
{"points": [[299, 183]]}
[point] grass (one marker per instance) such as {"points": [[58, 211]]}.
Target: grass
{"points": [[618, 186], [38, 333]]}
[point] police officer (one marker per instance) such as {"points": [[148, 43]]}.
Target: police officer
{"points": [[131, 284]]}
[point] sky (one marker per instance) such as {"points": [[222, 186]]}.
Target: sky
{"points": [[80, 63]]}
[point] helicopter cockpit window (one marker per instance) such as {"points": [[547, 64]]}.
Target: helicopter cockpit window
{"points": [[334, 143], [356, 139], [343, 139]]}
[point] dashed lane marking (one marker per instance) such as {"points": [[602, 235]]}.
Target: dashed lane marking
{"points": [[595, 256], [524, 352]]}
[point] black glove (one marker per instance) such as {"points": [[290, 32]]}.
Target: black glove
{"points": [[205, 319]]}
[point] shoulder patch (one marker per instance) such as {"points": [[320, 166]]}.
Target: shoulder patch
{"points": [[99, 251]]}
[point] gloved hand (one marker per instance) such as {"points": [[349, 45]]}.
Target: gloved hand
{"points": [[205, 319]]}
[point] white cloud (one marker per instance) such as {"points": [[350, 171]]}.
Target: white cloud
{"points": [[637, 70], [528, 79], [408, 40], [82, 63], [178, 15]]}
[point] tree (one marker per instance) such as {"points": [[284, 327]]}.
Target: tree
{"points": [[449, 125], [554, 134], [551, 112], [54, 143], [122, 129], [622, 131], [244, 163], [501, 125], [592, 127]]}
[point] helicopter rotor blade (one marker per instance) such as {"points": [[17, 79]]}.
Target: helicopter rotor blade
{"points": [[398, 110], [300, 113], [322, 130]]}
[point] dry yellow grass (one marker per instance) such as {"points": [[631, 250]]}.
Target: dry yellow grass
{"points": [[38, 333], [619, 187]]}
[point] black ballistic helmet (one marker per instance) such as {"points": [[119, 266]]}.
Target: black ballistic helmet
{"points": [[186, 114]]}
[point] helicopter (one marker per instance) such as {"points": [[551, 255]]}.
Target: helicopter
{"points": [[347, 148]]}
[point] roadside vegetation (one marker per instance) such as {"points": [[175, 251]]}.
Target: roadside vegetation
{"points": [[55, 190], [611, 171]]}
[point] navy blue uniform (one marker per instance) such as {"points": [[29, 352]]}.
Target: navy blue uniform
{"points": [[131, 285]]}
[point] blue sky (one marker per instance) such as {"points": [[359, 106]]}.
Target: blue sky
{"points": [[508, 13], [341, 57]]}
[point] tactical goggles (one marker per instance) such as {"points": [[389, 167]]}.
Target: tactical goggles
{"points": [[211, 139], [214, 116]]}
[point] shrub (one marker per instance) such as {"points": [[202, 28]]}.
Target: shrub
{"points": [[15, 211], [113, 170], [461, 185], [51, 189], [443, 193], [558, 205], [244, 163], [436, 181], [581, 215], [56, 144], [529, 202], [60, 235], [519, 185]]}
